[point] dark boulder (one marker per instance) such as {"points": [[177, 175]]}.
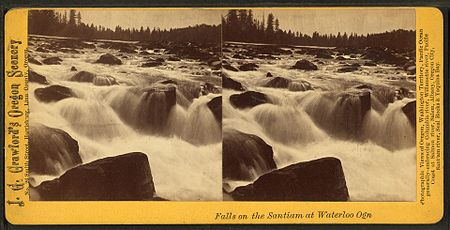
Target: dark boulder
{"points": [[269, 74], [410, 70], [32, 60], [369, 63], [278, 82], [52, 61], [229, 83], [40, 49], [239, 56], [51, 151], [173, 58], [317, 180], [304, 65], [120, 178], [215, 105], [207, 88], [35, 77], [346, 69], [363, 86], [109, 59], [299, 86], [248, 67], [53, 93], [216, 65], [229, 67], [73, 68], [245, 156], [167, 81], [410, 111], [152, 64], [83, 76], [129, 50], [248, 99], [385, 56], [324, 55]]}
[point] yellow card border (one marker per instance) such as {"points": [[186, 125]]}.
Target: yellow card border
{"points": [[172, 212]]}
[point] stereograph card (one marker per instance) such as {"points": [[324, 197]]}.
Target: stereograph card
{"points": [[224, 115]]}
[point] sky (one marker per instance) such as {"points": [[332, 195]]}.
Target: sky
{"points": [[326, 21], [164, 19], [306, 21]]}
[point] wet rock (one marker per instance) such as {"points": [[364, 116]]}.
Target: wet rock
{"points": [[173, 58], [73, 68], [216, 65], [35, 77], [52, 151], [52, 61], [229, 67], [278, 82], [42, 50], [248, 67], [239, 56], [248, 99], [317, 180], [385, 56], [168, 81], [368, 63], [324, 55], [190, 51], [229, 83], [33, 60], [410, 111], [245, 156], [83, 76], [121, 178], [102, 80], [152, 64], [304, 65], [129, 50], [269, 74], [207, 88], [411, 70], [362, 86], [299, 86], [215, 105], [53, 93], [347, 69], [109, 59]]}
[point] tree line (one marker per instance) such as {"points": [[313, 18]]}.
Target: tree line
{"points": [[50, 22], [237, 25], [241, 26]]}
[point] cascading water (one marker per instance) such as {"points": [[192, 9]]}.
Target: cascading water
{"points": [[181, 137], [356, 117]]}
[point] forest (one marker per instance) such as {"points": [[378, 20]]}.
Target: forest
{"points": [[50, 22], [237, 25], [240, 25]]}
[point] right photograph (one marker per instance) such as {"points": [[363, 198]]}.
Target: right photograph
{"points": [[319, 105]]}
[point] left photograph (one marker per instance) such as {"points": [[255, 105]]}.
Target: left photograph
{"points": [[125, 105]]}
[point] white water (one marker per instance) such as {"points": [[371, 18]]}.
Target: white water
{"points": [[380, 165], [185, 157]]}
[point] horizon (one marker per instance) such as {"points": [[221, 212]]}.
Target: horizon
{"points": [[305, 21]]}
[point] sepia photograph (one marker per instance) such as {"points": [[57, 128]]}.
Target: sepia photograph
{"points": [[125, 105], [319, 105]]}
